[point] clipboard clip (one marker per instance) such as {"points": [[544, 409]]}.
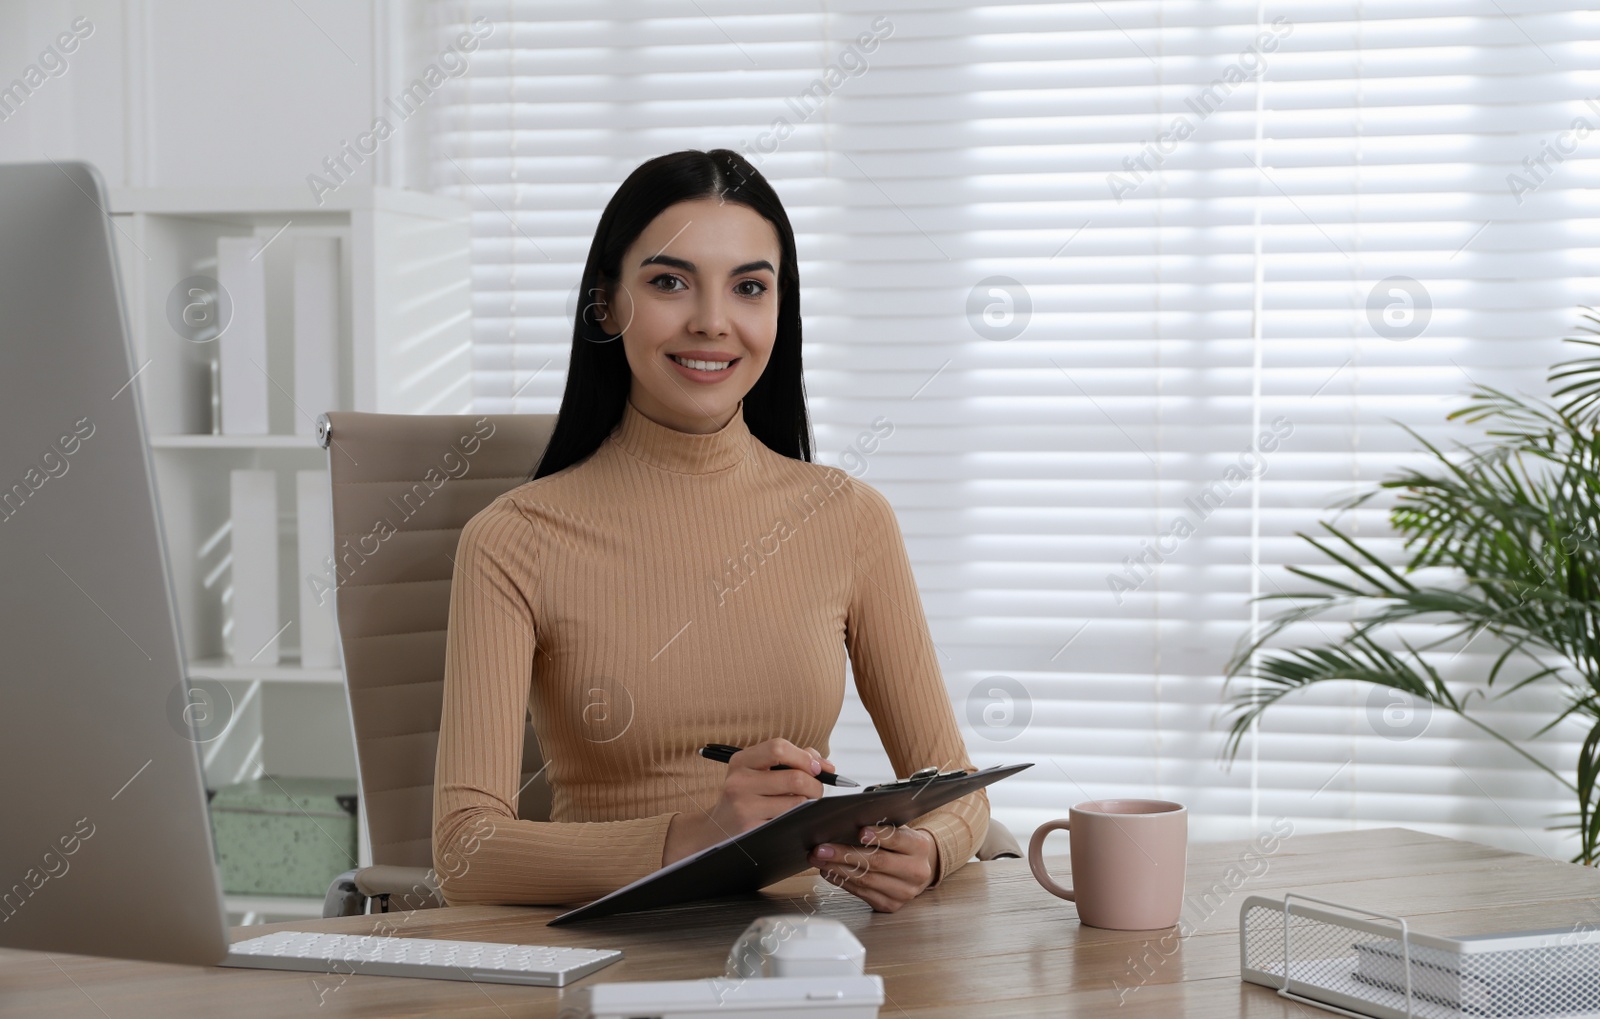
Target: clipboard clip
{"points": [[922, 776]]}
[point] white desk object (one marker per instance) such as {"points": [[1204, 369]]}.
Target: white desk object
{"points": [[796, 946], [721, 998], [1362, 963], [429, 958]]}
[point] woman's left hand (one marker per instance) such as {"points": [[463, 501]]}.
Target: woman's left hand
{"points": [[891, 867]]}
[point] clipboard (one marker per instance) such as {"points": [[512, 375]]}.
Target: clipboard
{"points": [[779, 848]]}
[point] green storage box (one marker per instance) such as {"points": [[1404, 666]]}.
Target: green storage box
{"points": [[284, 836]]}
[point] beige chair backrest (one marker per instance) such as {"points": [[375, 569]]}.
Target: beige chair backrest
{"points": [[403, 487]]}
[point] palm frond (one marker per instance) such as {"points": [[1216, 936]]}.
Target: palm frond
{"points": [[1515, 518]]}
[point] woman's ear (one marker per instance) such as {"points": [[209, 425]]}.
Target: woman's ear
{"points": [[598, 309]]}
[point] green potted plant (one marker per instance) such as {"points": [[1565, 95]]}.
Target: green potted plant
{"points": [[1512, 522]]}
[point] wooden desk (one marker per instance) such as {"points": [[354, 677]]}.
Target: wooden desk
{"points": [[991, 942]]}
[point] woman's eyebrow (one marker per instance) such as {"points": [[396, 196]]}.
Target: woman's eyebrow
{"points": [[688, 266]]}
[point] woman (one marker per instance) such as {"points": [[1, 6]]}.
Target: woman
{"points": [[678, 572]]}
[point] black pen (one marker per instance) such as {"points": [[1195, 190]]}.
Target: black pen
{"points": [[722, 752]]}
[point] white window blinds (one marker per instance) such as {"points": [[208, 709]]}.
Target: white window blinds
{"points": [[1123, 294]]}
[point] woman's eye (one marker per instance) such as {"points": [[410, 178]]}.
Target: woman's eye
{"points": [[761, 288], [668, 277]]}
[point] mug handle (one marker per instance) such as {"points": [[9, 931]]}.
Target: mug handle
{"points": [[1035, 845]]}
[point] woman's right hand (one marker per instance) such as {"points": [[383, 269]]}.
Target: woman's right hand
{"points": [[752, 793]]}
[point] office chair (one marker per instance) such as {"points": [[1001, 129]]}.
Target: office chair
{"points": [[393, 609], [403, 487]]}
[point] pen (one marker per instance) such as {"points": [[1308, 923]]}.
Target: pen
{"points": [[721, 752]]}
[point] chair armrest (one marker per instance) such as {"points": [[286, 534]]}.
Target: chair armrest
{"points": [[344, 898], [383, 887], [999, 843], [400, 888]]}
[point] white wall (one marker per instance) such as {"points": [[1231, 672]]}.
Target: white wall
{"points": [[173, 93], [222, 93]]}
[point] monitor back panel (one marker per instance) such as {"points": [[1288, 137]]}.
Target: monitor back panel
{"points": [[107, 846]]}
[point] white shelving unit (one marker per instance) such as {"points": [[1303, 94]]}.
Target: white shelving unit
{"points": [[253, 909], [233, 441], [405, 348]]}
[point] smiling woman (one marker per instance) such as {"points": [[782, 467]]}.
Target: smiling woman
{"points": [[681, 448]]}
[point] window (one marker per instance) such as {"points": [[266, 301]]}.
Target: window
{"points": [[1103, 267]]}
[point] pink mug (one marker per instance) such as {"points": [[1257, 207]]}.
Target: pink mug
{"points": [[1128, 858]]}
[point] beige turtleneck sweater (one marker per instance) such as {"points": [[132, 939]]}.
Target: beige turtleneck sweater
{"points": [[671, 590]]}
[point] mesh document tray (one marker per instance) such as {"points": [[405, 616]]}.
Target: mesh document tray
{"points": [[1363, 963]]}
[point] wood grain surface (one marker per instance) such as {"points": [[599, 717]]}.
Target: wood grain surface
{"points": [[989, 942]]}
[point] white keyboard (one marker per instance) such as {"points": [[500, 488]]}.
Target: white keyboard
{"points": [[378, 955]]}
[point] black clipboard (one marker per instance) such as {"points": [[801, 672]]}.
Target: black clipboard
{"points": [[779, 848]]}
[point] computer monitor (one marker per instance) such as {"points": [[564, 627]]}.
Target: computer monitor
{"points": [[107, 845]]}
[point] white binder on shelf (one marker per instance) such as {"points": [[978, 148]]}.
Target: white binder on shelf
{"points": [[319, 647], [253, 509], [316, 330], [242, 347]]}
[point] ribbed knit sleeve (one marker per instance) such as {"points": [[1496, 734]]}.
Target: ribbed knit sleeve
{"points": [[896, 671], [482, 852]]}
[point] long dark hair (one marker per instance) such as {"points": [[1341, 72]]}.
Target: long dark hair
{"points": [[598, 376]]}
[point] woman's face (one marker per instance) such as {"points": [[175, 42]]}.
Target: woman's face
{"points": [[700, 283]]}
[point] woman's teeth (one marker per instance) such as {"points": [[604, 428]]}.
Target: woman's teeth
{"points": [[705, 366]]}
